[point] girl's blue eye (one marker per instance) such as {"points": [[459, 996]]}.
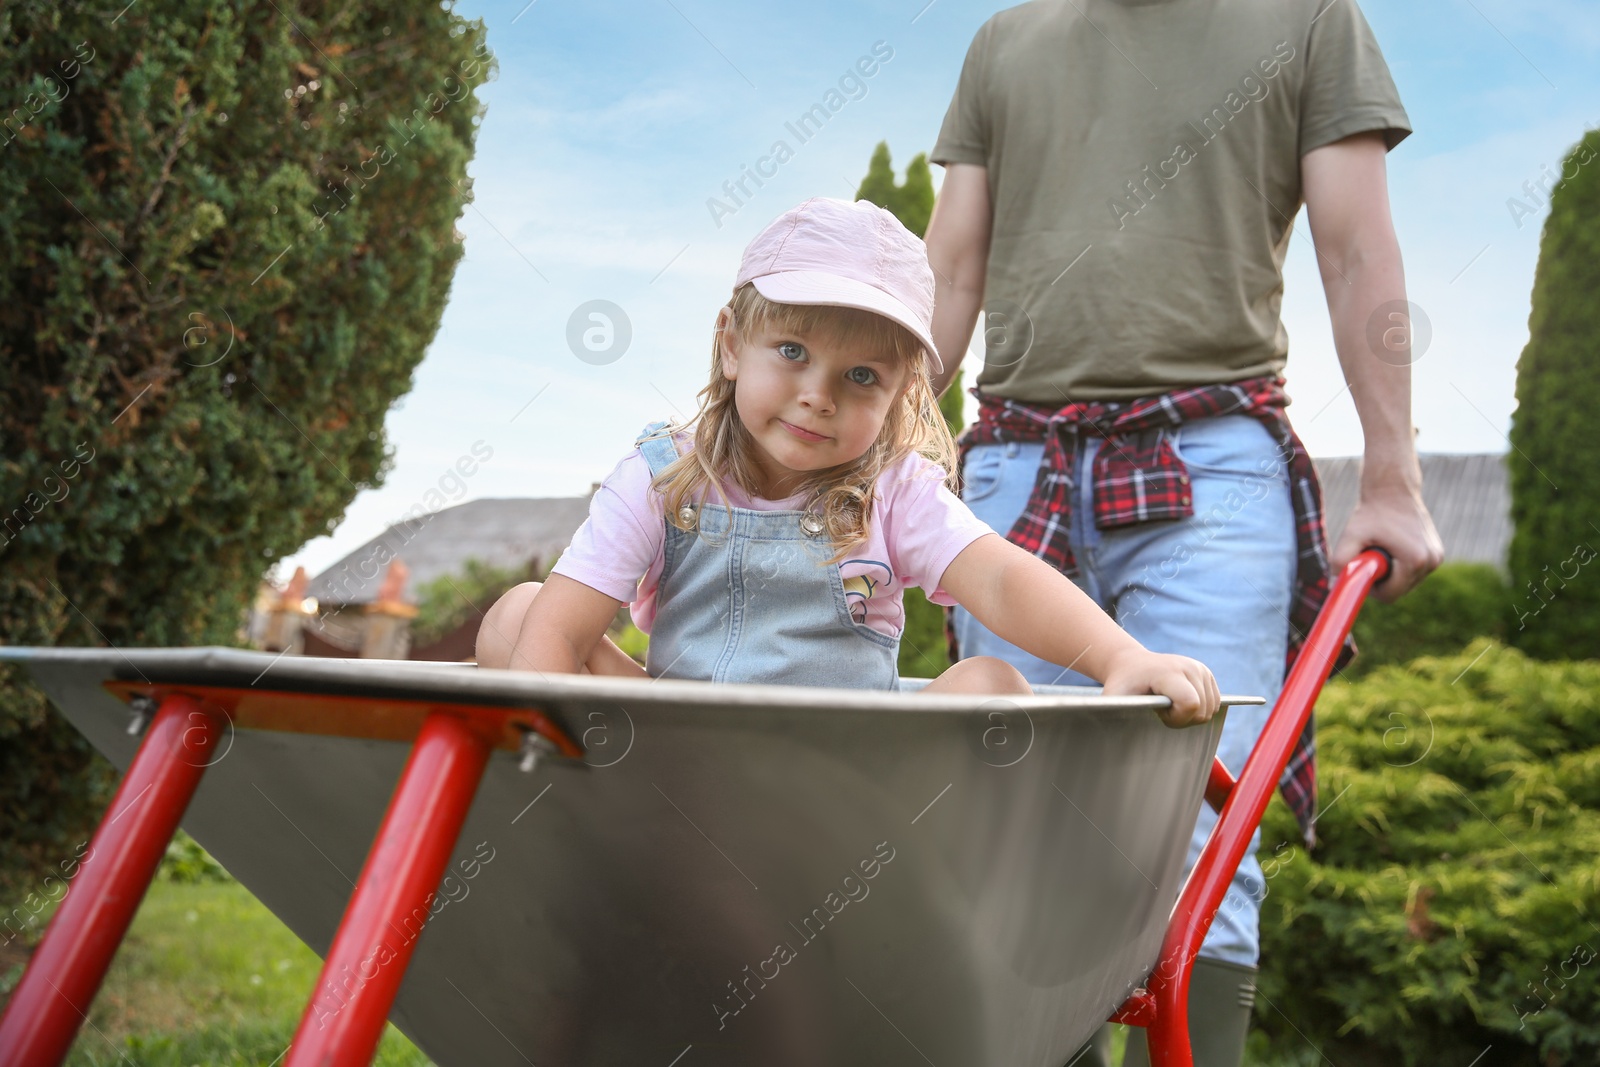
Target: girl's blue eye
{"points": [[862, 375], [799, 351]]}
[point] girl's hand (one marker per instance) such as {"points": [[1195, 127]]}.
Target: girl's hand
{"points": [[1186, 682], [1024, 600]]}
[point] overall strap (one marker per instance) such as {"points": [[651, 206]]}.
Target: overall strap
{"points": [[659, 452]]}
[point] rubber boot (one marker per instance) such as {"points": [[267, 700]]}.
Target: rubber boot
{"points": [[1221, 998], [1096, 1052]]}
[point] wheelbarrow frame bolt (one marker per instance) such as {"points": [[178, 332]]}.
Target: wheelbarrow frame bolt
{"points": [[141, 710], [534, 748]]}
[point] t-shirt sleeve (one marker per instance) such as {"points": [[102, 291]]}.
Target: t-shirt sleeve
{"points": [[621, 538], [1348, 88], [964, 135], [927, 526]]}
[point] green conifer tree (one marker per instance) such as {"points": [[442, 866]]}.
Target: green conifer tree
{"points": [[1555, 465], [912, 201], [879, 185], [226, 240]]}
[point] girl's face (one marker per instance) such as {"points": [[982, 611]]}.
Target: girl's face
{"points": [[807, 404]]}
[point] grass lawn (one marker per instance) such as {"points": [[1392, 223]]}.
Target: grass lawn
{"points": [[207, 975]]}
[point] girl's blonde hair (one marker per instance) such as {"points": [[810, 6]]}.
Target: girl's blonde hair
{"points": [[841, 496]]}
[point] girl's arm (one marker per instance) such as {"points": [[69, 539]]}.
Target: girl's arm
{"points": [[562, 627], [1024, 600]]}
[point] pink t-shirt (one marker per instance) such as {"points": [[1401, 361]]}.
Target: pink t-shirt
{"points": [[918, 526]]}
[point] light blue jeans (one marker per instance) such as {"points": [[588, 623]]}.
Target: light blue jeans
{"points": [[1216, 586]]}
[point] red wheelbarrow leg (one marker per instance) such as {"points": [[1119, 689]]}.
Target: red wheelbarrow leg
{"points": [[61, 981], [344, 1020], [1168, 1032], [1219, 785]]}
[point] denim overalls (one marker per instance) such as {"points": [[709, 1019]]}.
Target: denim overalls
{"points": [[751, 597]]}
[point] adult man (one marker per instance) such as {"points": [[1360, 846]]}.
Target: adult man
{"points": [[1121, 181]]}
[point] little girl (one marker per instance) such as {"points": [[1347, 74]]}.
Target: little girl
{"points": [[770, 539]]}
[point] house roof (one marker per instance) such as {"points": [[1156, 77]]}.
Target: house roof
{"points": [[501, 532], [1469, 497]]}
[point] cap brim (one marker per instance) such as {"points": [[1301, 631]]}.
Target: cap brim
{"points": [[818, 287]]}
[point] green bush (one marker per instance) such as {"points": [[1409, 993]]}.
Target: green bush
{"points": [[1456, 605], [1451, 904], [1555, 462], [53, 790], [453, 599], [187, 862], [632, 640], [226, 240], [923, 649]]}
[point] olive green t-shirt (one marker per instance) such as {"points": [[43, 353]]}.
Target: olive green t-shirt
{"points": [[1144, 168]]}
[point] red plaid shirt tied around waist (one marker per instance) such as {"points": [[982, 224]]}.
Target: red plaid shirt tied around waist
{"points": [[1139, 478]]}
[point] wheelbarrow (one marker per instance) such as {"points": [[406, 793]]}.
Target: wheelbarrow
{"points": [[594, 871]]}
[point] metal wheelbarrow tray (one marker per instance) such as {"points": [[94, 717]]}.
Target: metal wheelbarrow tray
{"points": [[592, 871]]}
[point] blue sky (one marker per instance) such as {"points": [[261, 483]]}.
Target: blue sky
{"points": [[613, 121]]}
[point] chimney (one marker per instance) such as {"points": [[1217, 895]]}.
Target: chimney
{"points": [[388, 631], [286, 621]]}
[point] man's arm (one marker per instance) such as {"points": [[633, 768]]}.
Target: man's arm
{"points": [[958, 251], [1347, 200]]}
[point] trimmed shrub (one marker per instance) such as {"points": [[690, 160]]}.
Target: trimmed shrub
{"points": [[1451, 905], [187, 862], [226, 240], [1555, 459]]}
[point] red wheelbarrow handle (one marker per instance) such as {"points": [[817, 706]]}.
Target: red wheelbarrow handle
{"points": [[1164, 1006]]}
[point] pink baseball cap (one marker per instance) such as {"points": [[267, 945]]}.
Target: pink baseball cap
{"points": [[847, 253]]}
